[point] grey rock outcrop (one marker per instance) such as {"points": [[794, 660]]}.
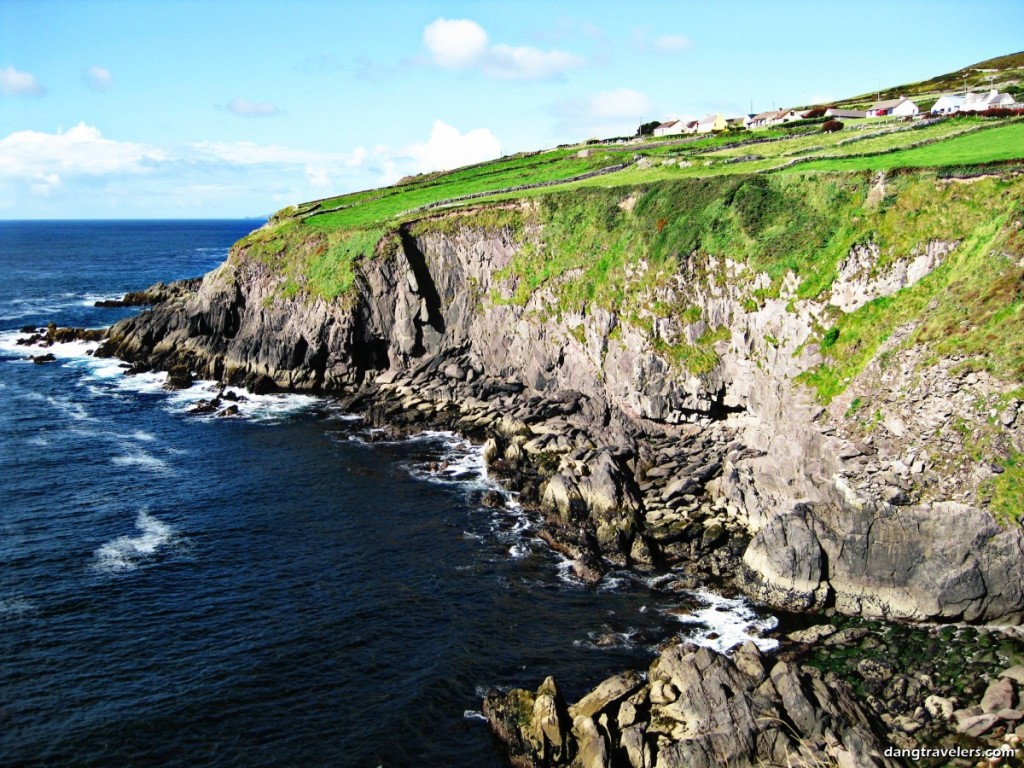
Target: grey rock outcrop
{"points": [[697, 709]]}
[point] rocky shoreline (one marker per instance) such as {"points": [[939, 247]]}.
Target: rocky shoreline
{"points": [[731, 477], [837, 693]]}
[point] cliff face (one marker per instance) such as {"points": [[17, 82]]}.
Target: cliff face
{"points": [[856, 504]]}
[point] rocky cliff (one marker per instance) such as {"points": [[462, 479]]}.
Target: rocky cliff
{"points": [[667, 396]]}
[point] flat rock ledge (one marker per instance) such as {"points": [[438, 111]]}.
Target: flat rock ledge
{"points": [[695, 708]]}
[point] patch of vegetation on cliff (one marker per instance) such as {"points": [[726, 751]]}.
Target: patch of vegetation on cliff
{"points": [[492, 218], [1005, 491], [311, 263], [972, 305], [593, 245]]}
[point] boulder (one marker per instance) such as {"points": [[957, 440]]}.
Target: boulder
{"points": [[977, 725], [1000, 694], [611, 691], [179, 377]]}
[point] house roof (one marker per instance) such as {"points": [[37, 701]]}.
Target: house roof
{"points": [[710, 118], [669, 124], [769, 115], [984, 98], [853, 113], [889, 103]]}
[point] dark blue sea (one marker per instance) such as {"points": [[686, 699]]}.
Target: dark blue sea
{"points": [[275, 589]]}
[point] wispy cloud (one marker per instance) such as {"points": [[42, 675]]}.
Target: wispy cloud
{"points": [[14, 82], [616, 112], [643, 40], [672, 43], [98, 78], [251, 153], [246, 108], [462, 44]]}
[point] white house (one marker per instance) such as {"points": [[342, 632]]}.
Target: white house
{"points": [[760, 120], [669, 128], [901, 107], [774, 117], [947, 104], [979, 102]]}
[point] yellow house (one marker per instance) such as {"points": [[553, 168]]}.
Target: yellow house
{"points": [[710, 123]]}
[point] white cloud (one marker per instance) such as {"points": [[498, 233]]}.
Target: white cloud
{"points": [[15, 83], [80, 172], [44, 184], [671, 43], [608, 113], [455, 43], [82, 150], [623, 102], [510, 63], [448, 148], [246, 108], [459, 44], [98, 78], [318, 178]]}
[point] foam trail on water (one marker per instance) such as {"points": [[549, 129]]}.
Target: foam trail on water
{"points": [[142, 460], [127, 553], [70, 408]]}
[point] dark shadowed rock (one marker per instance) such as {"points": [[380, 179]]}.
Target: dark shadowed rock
{"points": [[179, 377]]}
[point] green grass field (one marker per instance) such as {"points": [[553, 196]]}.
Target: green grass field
{"points": [[956, 142], [1002, 143]]}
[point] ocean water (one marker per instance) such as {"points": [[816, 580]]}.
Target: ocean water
{"points": [[272, 589]]}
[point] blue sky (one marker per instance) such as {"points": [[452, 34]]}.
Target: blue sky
{"points": [[168, 109]]}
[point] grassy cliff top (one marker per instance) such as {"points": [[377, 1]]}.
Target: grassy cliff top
{"points": [[797, 148]]}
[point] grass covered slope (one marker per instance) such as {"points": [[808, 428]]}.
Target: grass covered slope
{"points": [[314, 245]]}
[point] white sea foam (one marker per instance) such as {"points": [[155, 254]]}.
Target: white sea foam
{"points": [[109, 372], [68, 350], [520, 550], [565, 572], [128, 553], [472, 714], [70, 408], [608, 639], [724, 622], [141, 436], [142, 460]]}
